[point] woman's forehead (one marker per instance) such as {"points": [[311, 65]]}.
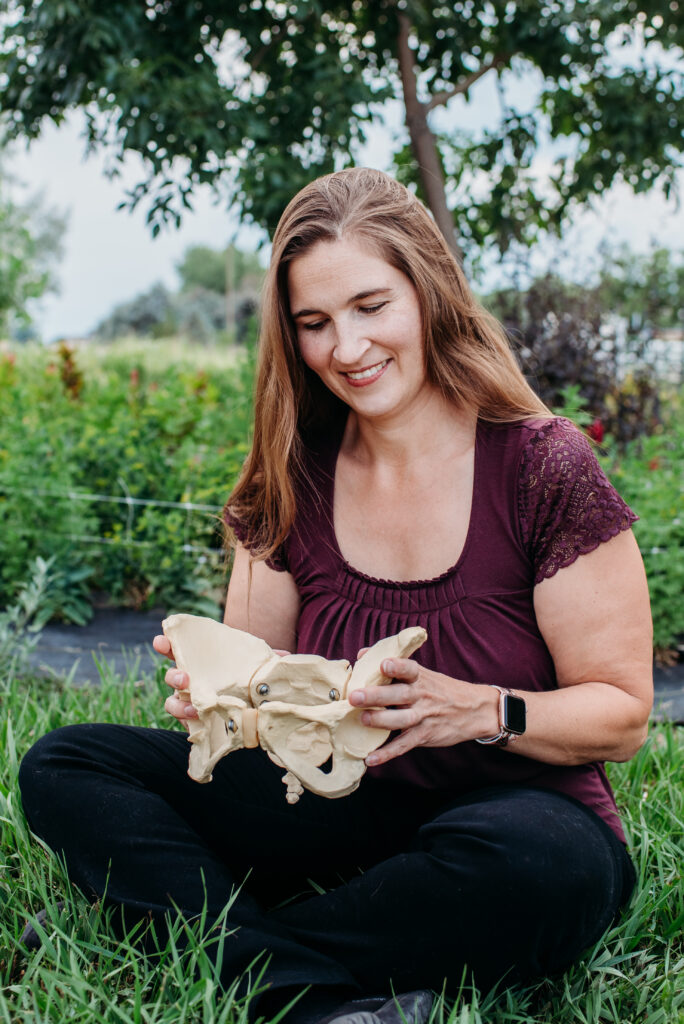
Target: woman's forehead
{"points": [[338, 266]]}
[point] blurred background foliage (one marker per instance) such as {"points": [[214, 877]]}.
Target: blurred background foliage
{"points": [[218, 298], [115, 461], [84, 432], [104, 445], [31, 237], [613, 339]]}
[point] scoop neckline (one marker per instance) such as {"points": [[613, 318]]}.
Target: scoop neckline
{"points": [[404, 584]]}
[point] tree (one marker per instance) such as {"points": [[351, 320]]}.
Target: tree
{"points": [[203, 267], [30, 243], [216, 270], [257, 97], [219, 290], [645, 288], [149, 313]]}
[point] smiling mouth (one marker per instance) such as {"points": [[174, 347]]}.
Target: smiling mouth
{"points": [[370, 372]]}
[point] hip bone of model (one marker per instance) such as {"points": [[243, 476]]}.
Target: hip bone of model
{"points": [[294, 706]]}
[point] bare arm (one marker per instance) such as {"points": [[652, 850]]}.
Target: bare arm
{"points": [[595, 618], [262, 601]]}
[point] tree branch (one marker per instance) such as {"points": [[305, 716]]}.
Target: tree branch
{"points": [[440, 98], [423, 142], [276, 31]]}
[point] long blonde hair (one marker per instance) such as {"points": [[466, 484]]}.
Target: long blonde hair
{"points": [[467, 353]]}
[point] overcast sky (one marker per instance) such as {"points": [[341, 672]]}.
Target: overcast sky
{"points": [[109, 255]]}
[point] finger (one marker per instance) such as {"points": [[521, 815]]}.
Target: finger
{"points": [[176, 678], [395, 748], [282, 654], [393, 719], [180, 709], [362, 652], [394, 694], [401, 668], [162, 645]]}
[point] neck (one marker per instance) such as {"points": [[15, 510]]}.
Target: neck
{"points": [[424, 434]]}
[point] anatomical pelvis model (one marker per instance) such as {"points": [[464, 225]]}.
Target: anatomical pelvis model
{"points": [[294, 706]]}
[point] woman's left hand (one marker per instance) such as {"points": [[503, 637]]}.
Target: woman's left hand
{"points": [[429, 708]]}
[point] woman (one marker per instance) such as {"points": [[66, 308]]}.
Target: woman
{"points": [[402, 473]]}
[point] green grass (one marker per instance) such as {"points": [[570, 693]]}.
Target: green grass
{"points": [[84, 973]]}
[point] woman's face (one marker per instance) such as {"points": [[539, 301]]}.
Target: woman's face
{"points": [[359, 327]]}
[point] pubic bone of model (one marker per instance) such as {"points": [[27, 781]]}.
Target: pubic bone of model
{"points": [[295, 706]]}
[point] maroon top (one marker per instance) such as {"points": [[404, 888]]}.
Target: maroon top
{"points": [[540, 499]]}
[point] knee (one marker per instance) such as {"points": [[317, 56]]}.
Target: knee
{"points": [[43, 766], [520, 848]]}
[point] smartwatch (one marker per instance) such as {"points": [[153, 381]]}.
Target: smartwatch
{"points": [[512, 718]]}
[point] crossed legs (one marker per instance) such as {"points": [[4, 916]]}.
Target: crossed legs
{"points": [[505, 882]]}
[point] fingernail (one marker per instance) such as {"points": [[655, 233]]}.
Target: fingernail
{"points": [[179, 678], [357, 697], [366, 718], [387, 667], [371, 760]]}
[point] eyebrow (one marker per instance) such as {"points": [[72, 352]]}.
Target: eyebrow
{"points": [[365, 294]]}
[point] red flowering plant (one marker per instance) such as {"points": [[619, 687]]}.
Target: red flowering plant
{"points": [[595, 430]]}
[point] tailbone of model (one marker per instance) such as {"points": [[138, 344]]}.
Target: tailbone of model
{"points": [[294, 706]]}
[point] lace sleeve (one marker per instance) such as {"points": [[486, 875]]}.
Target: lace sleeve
{"points": [[566, 505], [277, 561]]}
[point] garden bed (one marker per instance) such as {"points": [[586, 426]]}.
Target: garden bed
{"points": [[116, 461]]}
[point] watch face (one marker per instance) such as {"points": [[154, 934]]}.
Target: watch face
{"points": [[514, 714]]}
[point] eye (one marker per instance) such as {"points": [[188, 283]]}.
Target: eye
{"points": [[317, 325], [372, 309]]}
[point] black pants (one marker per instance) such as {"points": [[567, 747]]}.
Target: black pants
{"points": [[507, 881]]}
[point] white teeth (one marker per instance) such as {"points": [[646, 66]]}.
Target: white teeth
{"points": [[370, 372]]}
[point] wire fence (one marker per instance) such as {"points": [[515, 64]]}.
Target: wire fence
{"points": [[127, 539]]}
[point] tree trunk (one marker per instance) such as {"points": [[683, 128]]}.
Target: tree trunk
{"points": [[423, 142]]}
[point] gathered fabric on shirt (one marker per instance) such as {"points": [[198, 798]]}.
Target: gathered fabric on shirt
{"points": [[540, 500]]}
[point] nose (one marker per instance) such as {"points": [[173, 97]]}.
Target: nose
{"points": [[351, 344]]}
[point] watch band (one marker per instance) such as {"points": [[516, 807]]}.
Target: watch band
{"points": [[504, 735]]}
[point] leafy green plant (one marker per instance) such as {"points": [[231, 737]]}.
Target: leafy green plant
{"points": [[66, 595], [134, 470], [569, 352], [573, 405], [123, 485], [21, 622], [648, 474]]}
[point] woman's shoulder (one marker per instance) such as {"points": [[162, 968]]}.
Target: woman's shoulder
{"points": [[537, 435], [556, 447], [566, 504], [555, 453]]}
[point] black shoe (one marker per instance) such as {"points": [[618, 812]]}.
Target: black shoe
{"points": [[408, 1008], [30, 939]]}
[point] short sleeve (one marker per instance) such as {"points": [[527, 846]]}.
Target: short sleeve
{"points": [[566, 505], [277, 561]]}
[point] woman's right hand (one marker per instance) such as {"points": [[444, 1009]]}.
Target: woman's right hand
{"points": [[178, 704]]}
